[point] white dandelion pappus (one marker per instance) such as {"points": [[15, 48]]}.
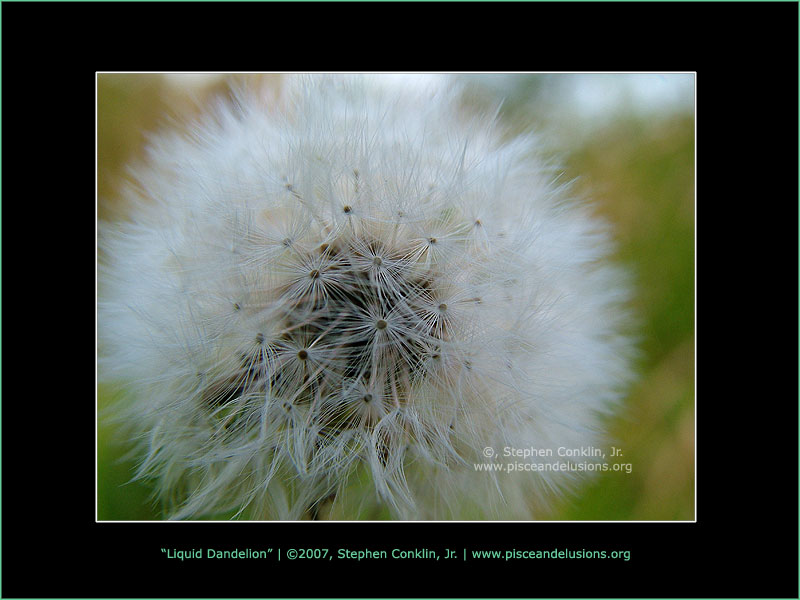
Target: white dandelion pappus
{"points": [[357, 283]]}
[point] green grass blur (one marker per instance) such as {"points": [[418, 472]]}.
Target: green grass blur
{"points": [[646, 172], [639, 171]]}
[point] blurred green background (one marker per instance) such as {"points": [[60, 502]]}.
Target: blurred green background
{"points": [[629, 141]]}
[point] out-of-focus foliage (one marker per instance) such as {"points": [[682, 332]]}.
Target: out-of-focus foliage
{"points": [[645, 175], [636, 165]]}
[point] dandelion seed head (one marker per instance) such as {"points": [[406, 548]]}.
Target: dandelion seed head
{"points": [[361, 281]]}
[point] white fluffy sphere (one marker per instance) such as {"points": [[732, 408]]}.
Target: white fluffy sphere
{"points": [[352, 283]]}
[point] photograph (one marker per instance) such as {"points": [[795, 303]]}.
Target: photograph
{"points": [[392, 300], [395, 297]]}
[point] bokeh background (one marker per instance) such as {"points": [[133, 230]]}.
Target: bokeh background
{"points": [[628, 142]]}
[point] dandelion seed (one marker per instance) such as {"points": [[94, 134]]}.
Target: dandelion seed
{"points": [[397, 334]]}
